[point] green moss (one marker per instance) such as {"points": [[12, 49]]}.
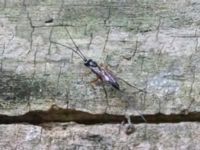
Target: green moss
{"points": [[21, 88]]}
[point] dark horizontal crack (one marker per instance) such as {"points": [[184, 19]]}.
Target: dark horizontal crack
{"points": [[67, 115]]}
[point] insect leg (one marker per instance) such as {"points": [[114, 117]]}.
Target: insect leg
{"points": [[140, 90], [94, 81], [104, 89], [106, 96]]}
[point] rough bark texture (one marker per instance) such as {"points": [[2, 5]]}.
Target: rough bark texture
{"points": [[152, 46], [73, 136]]}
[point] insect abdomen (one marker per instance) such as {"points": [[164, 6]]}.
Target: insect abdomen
{"points": [[115, 85]]}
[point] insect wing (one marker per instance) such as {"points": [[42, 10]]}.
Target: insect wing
{"points": [[108, 77]]}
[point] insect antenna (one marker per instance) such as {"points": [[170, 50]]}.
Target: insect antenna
{"points": [[81, 56], [77, 48]]}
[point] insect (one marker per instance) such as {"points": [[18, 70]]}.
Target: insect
{"points": [[102, 73]]}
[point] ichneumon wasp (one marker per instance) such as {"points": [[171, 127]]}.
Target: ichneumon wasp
{"points": [[102, 73]]}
